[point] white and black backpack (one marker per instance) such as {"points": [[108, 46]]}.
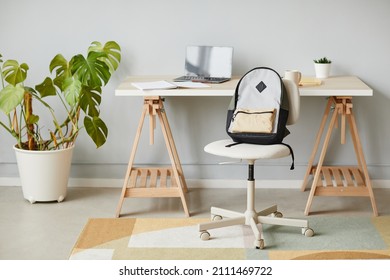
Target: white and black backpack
{"points": [[258, 111]]}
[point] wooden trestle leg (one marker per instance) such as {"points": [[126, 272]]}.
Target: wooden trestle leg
{"points": [[338, 180], [160, 181]]}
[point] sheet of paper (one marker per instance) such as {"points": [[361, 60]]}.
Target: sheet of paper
{"points": [[154, 85]]}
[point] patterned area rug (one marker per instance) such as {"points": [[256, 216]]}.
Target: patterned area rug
{"points": [[178, 239]]}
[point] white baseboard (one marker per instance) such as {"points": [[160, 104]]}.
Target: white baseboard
{"points": [[191, 183]]}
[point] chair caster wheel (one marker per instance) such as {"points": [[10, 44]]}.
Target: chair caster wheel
{"points": [[278, 214], [259, 244], [216, 218], [204, 235], [308, 232]]}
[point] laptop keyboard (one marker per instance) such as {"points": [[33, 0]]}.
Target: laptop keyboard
{"points": [[201, 79]]}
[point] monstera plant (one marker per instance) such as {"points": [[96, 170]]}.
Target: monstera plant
{"points": [[33, 115], [78, 85]]}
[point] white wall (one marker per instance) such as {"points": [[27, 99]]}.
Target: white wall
{"points": [[153, 34]]}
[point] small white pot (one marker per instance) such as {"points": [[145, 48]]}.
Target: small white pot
{"points": [[322, 70], [44, 174]]}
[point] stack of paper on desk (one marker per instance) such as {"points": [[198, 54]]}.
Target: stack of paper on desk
{"points": [[167, 85], [309, 81]]}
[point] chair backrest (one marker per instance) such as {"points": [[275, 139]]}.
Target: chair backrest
{"points": [[294, 101]]}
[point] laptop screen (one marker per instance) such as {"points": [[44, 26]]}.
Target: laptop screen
{"points": [[209, 61]]}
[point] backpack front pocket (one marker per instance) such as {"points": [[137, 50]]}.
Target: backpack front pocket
{"points": [[253, 120]]}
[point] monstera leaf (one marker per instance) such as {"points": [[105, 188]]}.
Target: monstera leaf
{"points": [[13, 72], [90, 100], [112, 51], [10, 97], [61, 65], [72, 90], [96, 129], [91, 71], [46, 88]]}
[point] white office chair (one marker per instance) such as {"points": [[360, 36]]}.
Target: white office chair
{"points": [[251, 153]]}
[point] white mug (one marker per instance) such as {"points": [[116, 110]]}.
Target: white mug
{"points": [[293, 75]]}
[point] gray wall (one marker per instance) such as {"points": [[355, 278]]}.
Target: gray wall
{"points": [[153, 35]]}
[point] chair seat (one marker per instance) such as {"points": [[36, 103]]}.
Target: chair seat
{"points": [[246, 151]]}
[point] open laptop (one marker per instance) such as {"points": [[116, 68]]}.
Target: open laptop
{"points": [[207, 64]]}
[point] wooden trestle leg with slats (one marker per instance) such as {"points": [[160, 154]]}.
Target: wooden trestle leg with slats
{"points": [[338, 180], [154, 182]]}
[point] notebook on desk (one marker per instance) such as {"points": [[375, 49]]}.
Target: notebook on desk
{"points": [[207, 64]]}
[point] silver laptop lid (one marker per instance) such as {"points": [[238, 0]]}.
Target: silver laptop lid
{"points": [[208, 61]]}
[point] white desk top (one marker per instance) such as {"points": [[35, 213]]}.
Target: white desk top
{"points": [[338, 86], [126, 89], [332, 86]]}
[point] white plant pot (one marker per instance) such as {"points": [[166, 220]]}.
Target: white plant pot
{"points": [[322, 70], [44, 174]]}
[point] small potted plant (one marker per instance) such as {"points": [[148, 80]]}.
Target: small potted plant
{"points": [[77, 85], [322, 67]]}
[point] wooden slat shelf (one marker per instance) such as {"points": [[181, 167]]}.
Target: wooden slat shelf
{"points": [[340, 181], [340, 176], [152, 182]]}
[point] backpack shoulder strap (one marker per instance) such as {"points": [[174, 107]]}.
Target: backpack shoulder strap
{"points": [[292, 155]]}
